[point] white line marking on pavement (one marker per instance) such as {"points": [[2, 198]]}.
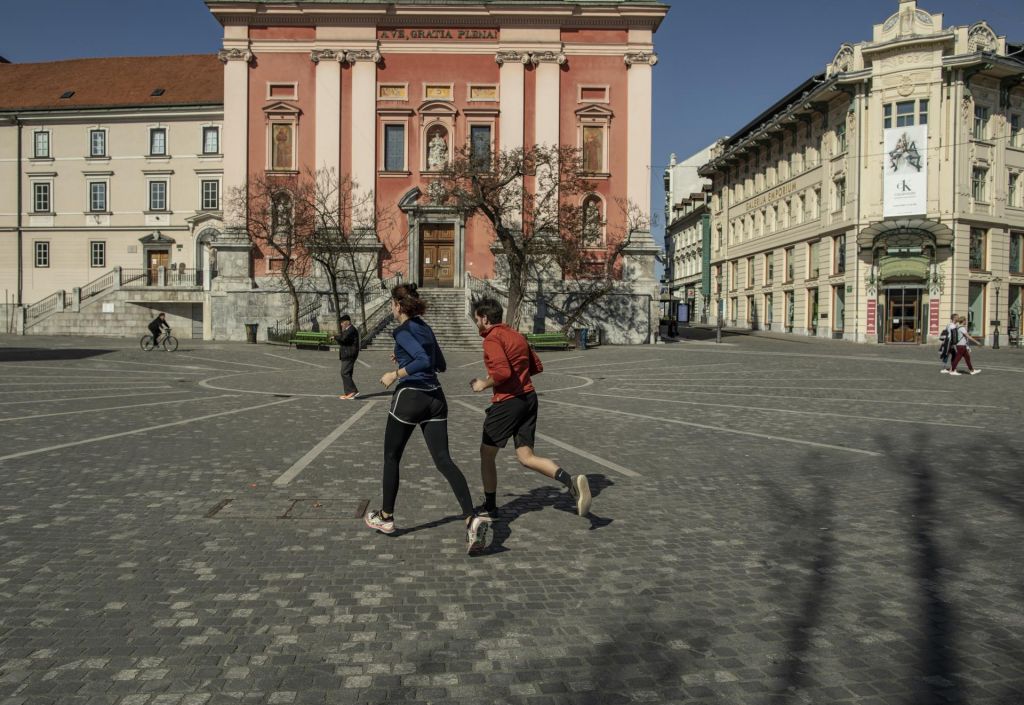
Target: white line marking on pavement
{"points": [[470, 364], [628, 369], [291, 473], [292, 359], [228, 362], [131, 375], [688, 387], [745, 379], [781, 411], [153, 364], [873, 400], [722, 429], [561, 359], [98, 387], [72, 382], [363, 362], [140, 430], [106, 396], [112, 408], [542, 392], [571, 448]]}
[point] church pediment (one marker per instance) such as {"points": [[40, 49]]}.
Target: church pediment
{"points": [[281, 109], [156, 238], [436, 108], [594, 110]]}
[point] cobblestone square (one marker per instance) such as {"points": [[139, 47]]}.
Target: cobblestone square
{"points": [[774, 521]]}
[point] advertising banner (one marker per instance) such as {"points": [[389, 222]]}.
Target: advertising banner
{"points": [[906, 171], [933, 317], [871, 317]]}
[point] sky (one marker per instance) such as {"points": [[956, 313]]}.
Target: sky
{"points": [[720, 63]]}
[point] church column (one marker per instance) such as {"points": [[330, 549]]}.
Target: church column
{"points": [[549, 67], [235, 133], [510, 93], [363, 135], [638, 145], [328, 108]]}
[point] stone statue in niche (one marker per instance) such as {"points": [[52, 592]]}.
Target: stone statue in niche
{"points": [[437, 151]]}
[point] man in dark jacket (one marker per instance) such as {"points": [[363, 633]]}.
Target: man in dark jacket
{"points": [[348, 352]]}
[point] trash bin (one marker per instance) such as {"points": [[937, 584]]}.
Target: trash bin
{"points": [[581, 338], [250, 332]]}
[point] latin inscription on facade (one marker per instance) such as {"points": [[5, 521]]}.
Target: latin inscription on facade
{"points": [[773, 195], [430, 34]]}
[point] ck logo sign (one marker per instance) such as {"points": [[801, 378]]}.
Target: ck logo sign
{"points": [[903, 186]]}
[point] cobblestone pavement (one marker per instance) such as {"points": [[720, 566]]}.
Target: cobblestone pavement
{"points": [[774, 522]]}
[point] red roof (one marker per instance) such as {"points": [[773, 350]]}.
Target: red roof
{"points": [[195, 79]]}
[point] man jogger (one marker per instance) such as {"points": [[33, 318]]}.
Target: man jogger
{"points": [[513, 412]]}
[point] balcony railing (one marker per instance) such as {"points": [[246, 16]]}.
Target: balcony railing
{"points": [[171, 277]]}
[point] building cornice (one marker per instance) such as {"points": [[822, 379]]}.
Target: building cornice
{"points": [[943, 38], [115, 113]]}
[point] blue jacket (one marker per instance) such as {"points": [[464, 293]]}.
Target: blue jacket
{"points": [[417, 351]]}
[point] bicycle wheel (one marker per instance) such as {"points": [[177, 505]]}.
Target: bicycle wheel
{"points": [[170, 343], [146, 343]]}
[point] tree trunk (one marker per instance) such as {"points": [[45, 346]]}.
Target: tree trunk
{"points": [[333, 276], [362, 312], [295, 301]]}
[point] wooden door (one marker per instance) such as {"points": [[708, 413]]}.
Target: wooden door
{"points": [[437, 255], [157, 259], [904, 309]]}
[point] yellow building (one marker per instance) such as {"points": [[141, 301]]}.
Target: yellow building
{"points": [[882, 195]]}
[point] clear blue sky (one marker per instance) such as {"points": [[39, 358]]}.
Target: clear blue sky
{"points": [[720, 63]]}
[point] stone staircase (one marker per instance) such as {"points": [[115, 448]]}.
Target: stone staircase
{"points": [[446, 314]]}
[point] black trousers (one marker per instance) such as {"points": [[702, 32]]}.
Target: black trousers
{"points": [[348, 364]]}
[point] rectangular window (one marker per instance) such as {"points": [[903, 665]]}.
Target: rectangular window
{"points": [[593, 149], [480, 145], [839, 308], [980, 130], [797, 210], [41, 145], [976, 309], [158, 142], [750, 272], [394, 148], [211, 195], [157, 195], [1016, 253], [97, 143], [41, 197], [97, 254], [42, 250], [1016, 131], [769, 267], [789, 263], [812, 260], [841, 145], [839, 254], [734, 268], [887, 112], [905, 113], [282, 137], [976, 257], [1012, 191], [840, 194], [922, 112], [211, 140], [98, 196], [816, 205], [979, 181]]}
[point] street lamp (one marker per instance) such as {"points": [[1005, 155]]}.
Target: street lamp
{"points": [[718, 328], [995, 323]]}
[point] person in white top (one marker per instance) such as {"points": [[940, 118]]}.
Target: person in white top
{"points": [[963, 350], [946, 349]]}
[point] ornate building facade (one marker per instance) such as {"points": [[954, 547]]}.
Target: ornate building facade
{"points": [[882, 195], [387, 94]]}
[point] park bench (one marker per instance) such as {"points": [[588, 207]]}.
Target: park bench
{"points": [[549, 341], [305, 338]]}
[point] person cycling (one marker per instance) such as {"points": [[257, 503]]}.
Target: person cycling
{"points": [[155, 327]]}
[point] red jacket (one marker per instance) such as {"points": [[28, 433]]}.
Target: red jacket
{"points": [[510, 362]]}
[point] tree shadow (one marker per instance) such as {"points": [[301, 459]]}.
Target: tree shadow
{"points": [[42, 354]]}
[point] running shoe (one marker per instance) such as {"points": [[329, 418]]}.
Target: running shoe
{"points": [[580, 491], [375, 520], [476, 534], [944, 371], [955, 374], [350, 395], [974, 372]]}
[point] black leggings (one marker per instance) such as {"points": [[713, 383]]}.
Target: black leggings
{"points": [[415, 405]]}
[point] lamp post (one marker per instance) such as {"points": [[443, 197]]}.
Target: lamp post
{"points": [[718, 327], [995, 323]]}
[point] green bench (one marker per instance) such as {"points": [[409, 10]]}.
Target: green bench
{"points": [[305, 338], [549, 341]]}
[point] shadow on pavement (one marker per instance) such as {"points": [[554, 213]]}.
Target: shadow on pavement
{"points": [[42, 354]]}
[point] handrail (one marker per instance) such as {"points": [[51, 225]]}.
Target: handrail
{"points": [[100, 284], [477, 289], [44, 306]]}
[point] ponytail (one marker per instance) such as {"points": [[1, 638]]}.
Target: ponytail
{"points": [[408, 299]]}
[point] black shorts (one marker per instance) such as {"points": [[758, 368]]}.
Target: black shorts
{"points": [[418, 405], [512, 418]]}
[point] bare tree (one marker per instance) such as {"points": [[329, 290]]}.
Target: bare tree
{"points": [[531, 200], [591, 259], [279, 219], [352, 236]]}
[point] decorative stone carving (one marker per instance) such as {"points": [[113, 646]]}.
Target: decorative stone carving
{"points": [[511, 57], [318, 55], [226, 55], [372, 55], [547, 57], [437, 153], [640, 57], [981, 38], [843, 61]]}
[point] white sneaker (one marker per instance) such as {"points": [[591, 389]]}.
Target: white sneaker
{"points": [[974, 372], [944, 371], [955, 374], [476, 534]]}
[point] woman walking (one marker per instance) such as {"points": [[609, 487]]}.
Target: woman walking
{"points": [[962, 349], [420, 401]]}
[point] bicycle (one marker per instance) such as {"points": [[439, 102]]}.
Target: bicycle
{"points": [[168, 341]]}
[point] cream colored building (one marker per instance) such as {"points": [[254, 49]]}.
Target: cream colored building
{"points": [[881, 195], [111, 163], [687, 242]]}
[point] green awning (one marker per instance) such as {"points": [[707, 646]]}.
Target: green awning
{"points": [[903, 267]]}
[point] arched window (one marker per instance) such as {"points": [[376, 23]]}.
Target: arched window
{"points": [[593, 221]]}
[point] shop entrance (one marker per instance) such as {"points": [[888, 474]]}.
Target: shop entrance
{"points": [[437, 254], [903, 321]]}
